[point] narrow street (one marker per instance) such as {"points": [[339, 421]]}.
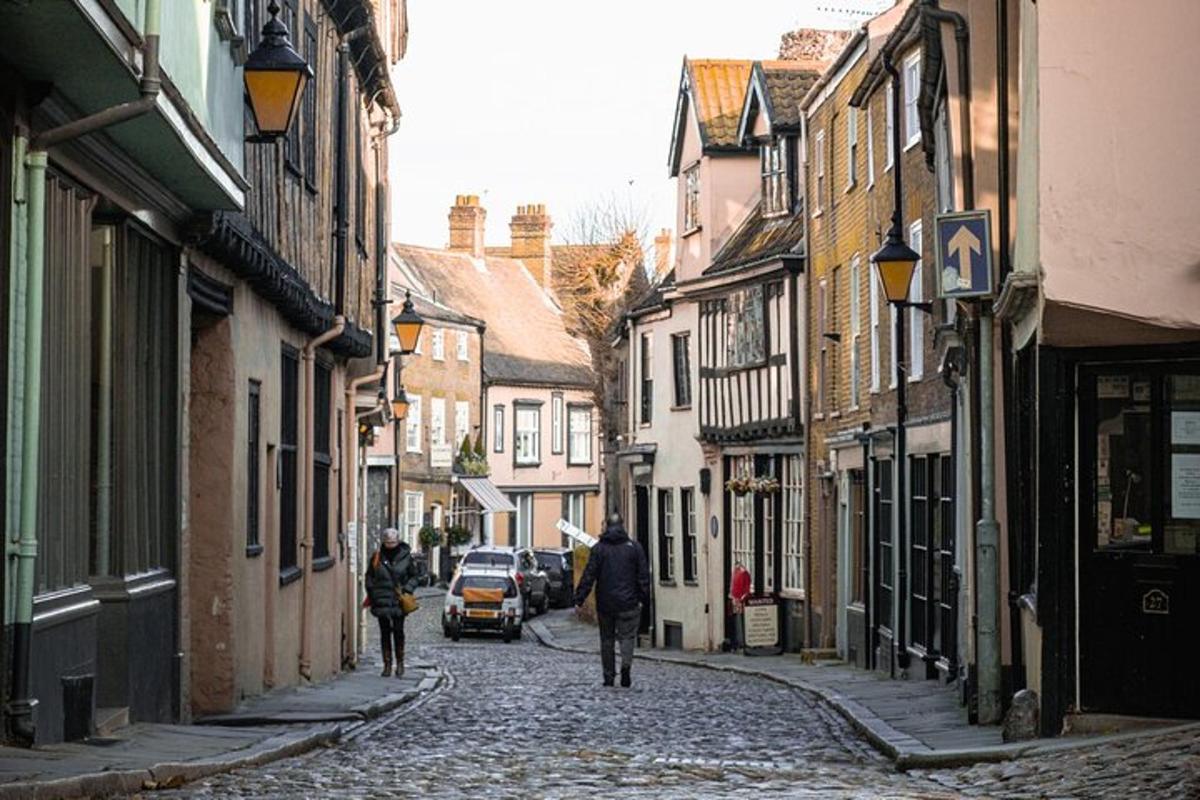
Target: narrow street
{"points": [[523, 720]]}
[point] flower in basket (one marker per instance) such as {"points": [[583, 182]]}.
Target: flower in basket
{"points": [[458, 535], [739, 485], [766, 485]]}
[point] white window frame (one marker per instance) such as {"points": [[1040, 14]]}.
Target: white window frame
{"points": [[912, 90], [556, 424], [742, 517], [818, 170], [527, 444], [889, 114], [579, 442], [691, 198], [870, 148], [462, 421], [793, 525], [413, 432], [875, 294], [497, 428], [576, 509], [916, 317], [667, 512], [851, 147], [688, 510], [524, 519], [439, 344], [774, 168], [437, 421], [461, 352], [414, 516], [855, 328]]}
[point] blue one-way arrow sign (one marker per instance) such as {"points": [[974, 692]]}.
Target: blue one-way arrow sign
{"points": [[964, 254]]}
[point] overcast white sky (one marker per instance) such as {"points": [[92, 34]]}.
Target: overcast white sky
{"points": [[559, 101]]}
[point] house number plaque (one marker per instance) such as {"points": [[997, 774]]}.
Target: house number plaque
{"points": [[1156, 601]]}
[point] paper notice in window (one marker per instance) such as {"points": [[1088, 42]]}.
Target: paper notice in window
{"points": [[1112, 386], [1185, 427], [1185, 485]]}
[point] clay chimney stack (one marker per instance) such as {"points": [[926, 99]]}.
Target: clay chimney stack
{"points": [[662, 252], [531, 242], [466, 225]]}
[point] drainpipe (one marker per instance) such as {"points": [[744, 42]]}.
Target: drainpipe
{"points": [[21, 708], [987, 529], [350, 468], [310, 350], [341, 180]]}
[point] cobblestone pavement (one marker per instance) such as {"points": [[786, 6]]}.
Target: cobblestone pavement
{"points": [[519, 720]]}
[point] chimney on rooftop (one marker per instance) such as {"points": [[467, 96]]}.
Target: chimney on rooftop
{"points": [[662, 252], [466, 225], [531, 242]]}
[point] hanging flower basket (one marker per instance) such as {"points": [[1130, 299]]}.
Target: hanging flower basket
{"points": [[746, 484]]}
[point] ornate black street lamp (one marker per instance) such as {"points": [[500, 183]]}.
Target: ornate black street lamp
{"points": [[408, 324], [275, 76]]}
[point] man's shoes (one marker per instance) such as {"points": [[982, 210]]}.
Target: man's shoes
{"points": [[625, 680], [608, 681]]}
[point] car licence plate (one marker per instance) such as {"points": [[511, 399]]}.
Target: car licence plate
{"points": [[482, 613]]}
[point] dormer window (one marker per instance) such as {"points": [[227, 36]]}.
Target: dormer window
{"points": [[775, 189], [691, 198]]}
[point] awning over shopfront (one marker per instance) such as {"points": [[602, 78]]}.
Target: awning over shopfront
{"points": [[489, 497]]}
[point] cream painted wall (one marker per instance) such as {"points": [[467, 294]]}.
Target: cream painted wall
{"points": [[1118, 182], [553, 469]]}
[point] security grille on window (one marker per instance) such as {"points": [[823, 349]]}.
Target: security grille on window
{"points": [[775, 189], [527, 438], [579, 446], [461, 352], [691, 198], [680, 347], [746, 333], [413, 425], [439, 344]]}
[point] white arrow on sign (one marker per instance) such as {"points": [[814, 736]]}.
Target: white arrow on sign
{"points": [[963, 243]]}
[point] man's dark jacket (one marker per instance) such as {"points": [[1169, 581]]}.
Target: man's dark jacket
{"points": [[618, 568]]}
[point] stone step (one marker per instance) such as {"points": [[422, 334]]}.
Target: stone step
{"points": [[110, 720]]}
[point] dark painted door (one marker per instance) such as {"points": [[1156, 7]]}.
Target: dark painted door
{"points": [[641, 501], [1139, 542]]}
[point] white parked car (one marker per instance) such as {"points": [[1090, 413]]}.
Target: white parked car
{"points": [[483, 599]]}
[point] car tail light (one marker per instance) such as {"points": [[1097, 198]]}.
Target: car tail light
{"points": [[512, 612], [520, 579], [454, 611]]}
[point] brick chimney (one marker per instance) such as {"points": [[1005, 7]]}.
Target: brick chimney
{"points": [[662, 252], [531, 242], [466, 225]]}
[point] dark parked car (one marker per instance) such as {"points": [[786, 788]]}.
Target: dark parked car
{"points": [[559, 565], [530, 579]]}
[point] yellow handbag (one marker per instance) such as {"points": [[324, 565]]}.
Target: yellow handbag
{"points": [[408, 603]]}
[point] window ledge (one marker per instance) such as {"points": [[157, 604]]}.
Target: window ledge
{"points": [[579, 464], [817, 213], [912, 143], [688, 407], [527, 465], [916, 378], [253, 550], [835, 415], [668, 583], [870, 185], [289, 575], [850, 187], [690, 231], [323, 563], [852, 409], [819, 415], [792, 594]]}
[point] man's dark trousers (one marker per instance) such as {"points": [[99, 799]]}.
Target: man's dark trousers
{"points": [[623, 627]]}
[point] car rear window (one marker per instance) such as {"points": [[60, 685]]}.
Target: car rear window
{"points": [[490, 559], [485, 582], [549, 561]]}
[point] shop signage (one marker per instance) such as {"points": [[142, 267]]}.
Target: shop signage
{"points": [[441, 456], [1156, 601], [964, 254], [761, 619]]}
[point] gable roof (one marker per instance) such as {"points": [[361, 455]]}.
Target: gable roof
{"points": [[760, 238], [776, 88], [652, 298], [525, 340], [716, 89]]}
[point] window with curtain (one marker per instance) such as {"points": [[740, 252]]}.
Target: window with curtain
{"points": [[527, 435]]}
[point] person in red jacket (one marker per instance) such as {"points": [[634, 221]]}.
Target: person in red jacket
{"points": [[739, 590]]}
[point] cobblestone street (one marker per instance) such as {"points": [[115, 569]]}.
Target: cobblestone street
{"points": [[521, 720]]}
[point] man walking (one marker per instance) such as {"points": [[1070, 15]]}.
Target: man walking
{"points": [[618, 568]]}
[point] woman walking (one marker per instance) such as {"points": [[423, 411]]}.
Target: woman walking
{"points": [[390, 576]]}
